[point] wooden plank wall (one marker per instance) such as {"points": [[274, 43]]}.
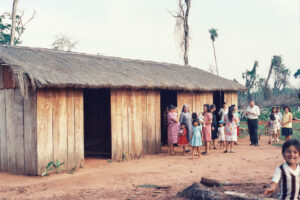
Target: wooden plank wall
{"points": [[194, 100], [231, 98], [18, 153], [135, 123], [60, 127]]}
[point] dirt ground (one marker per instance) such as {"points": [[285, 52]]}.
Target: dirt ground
{"points": [[100, 179]]}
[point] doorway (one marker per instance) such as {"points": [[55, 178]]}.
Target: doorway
{"points": [[218, 100], [97, 123], [167, 98]]}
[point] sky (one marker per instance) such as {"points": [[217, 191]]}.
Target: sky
{"points": [[248, 30]]}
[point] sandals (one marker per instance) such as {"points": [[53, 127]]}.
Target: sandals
{"points": [[232, 151], [225, 151]]}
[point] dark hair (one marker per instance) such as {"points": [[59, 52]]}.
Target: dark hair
{"points": [[287, 108], [272, 117], [171, 107], [212, 106], [224, 103], [291, 142], [185, 106], [273, 109], [194, 116], [251, 100], [207, 106], [182, 123], [278, 107], [230, 113], [195, 120]]}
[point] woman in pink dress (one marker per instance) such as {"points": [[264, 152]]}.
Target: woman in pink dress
{"points": [[207, 128], [173, 128]]}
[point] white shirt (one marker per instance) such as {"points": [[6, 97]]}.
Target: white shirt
{"points": [[289, 173], [255, 110], [223, 112]]}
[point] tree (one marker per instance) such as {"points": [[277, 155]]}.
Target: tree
{"points": [[6, 26], [251, 78], [13, 23], [213, 35], [182, 27], [64, 43], [276, 61], [282, 75], [297, 74]]}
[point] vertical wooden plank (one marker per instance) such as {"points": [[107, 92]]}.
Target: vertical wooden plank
{"points": [[134, 124], [180, 101], [79, 127], [114, 122], [59, 125], [30, 133], [119, 133], [124, 122], [144, 122], [1, 78], [71, 128], [157, 122], [194, 104], [129, 123], [9, 82], [151, 121], [139, 123], [3, 140], [10, 131], [44, 128], [197, 102]]}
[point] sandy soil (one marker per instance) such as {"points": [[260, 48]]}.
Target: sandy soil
{"points": [[100, 179]]}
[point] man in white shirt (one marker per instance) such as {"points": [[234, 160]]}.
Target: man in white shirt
{"points": [[252, 113], [223, 111]]}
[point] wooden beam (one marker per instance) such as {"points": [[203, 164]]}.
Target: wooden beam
{"points": [[79, 127], [3, 135], [71, 128]]}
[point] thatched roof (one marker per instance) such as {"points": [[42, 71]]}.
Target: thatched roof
{"points": [[50, 68]]}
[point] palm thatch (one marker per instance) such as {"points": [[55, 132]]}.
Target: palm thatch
{"points": [[44, 68]]}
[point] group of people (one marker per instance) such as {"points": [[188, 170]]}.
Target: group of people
{"points": [[195, 129], [278, 121]]}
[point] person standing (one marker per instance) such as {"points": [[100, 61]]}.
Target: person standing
{"points": [[207, 127], [214, 126], [279, 118], [223, 111], [186, 118], [238, 119], [287, 123], [173, 129], [252, 114], [230, 130]]}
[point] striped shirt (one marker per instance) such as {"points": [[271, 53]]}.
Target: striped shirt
{"points": [[289, 182]]}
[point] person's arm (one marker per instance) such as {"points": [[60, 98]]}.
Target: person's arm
{"points": [[275, 180], [181, 117], [209, 119], [289, 121], [271, 189]]}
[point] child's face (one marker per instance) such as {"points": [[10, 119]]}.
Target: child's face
{"points": [[195, 124], [221, 125], [291, 155], [286, 110], [183, 126]]}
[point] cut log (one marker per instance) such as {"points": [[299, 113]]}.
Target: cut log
{"points": [[211, 182]]}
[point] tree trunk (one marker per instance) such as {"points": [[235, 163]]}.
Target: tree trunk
{"points": [[186, 33], [267, 81], [215, 58], [13, 23]]}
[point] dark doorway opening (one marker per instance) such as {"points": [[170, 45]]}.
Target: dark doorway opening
{"points": [[218, 101], [167, 98], [97, 123]]}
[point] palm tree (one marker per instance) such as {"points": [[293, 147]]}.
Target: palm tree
{"points": [[213, 35], [275, 62]]}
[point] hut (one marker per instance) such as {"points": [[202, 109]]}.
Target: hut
{"points": [[67, 106]]}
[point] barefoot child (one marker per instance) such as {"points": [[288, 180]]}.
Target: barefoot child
{"points": [[272, 128], [183, 140], [196, 138], [287, 174], [221, 133]]}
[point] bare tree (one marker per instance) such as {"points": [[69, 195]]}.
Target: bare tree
{"points": [[13, 23], [182, 27], [64, 43], [213, 35]]}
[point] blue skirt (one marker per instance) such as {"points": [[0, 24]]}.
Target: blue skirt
{"points": [[286, 131]]}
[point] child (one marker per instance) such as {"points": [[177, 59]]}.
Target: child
{"points": [[287, 123], [221, 133], [288, 173], [183, 140], [195, 116], [272, 128], [196, 138]]}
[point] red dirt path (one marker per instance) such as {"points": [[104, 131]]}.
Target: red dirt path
{"points": [[100, 179]]}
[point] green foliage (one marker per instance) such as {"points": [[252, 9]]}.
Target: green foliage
{"points": [[213, 34], [48, 168], [57, 166], [297, 74], [251, 79], [54, 166]]}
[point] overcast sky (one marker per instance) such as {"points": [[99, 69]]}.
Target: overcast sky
{"points": [[249, 30]]}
